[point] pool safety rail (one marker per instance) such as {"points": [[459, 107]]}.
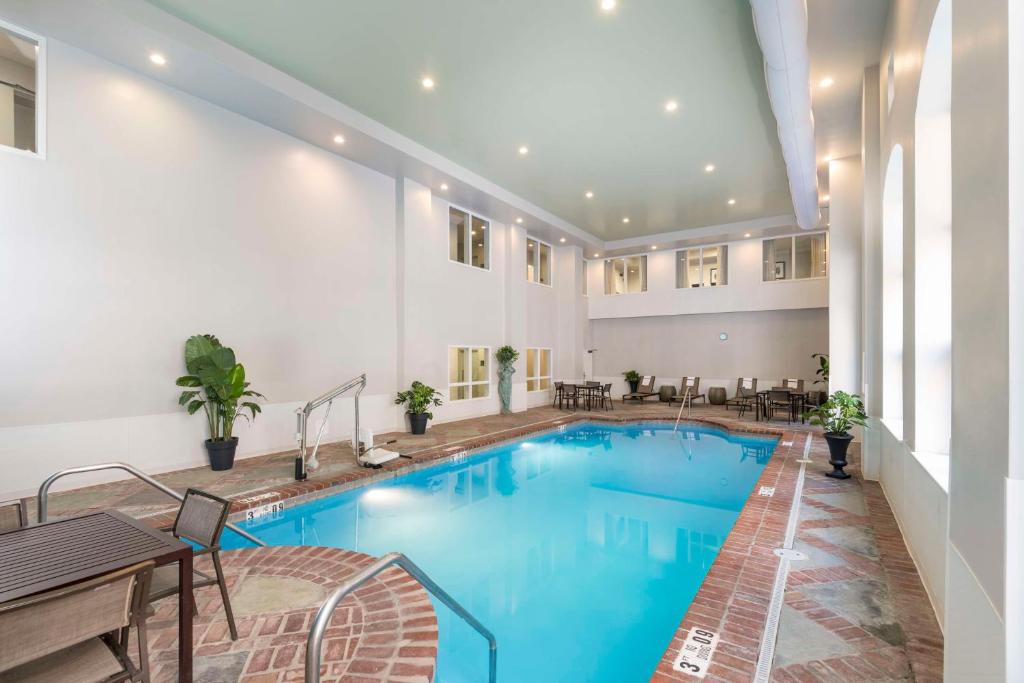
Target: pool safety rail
{"points": [[687, 400], [302, 463], [323, 617], [42, 499]]}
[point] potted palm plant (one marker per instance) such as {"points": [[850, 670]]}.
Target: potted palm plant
{"points": [[837, 416], [417, 401], [633, 379], [216, 383], [506, 357]]}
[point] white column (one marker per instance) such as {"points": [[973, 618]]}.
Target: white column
{"points": [[844, 292]]}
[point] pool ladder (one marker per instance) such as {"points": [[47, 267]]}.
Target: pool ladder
{"points": [[323, 615], [42, 499]]}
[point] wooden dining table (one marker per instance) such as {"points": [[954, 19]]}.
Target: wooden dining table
{"points": [[54, 554]]}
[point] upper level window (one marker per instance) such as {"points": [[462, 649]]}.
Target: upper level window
{"points": [[797, 257], [585, 274], [538, 369], [21, 102], [469, 238], [625, 275], [702, 267], [538, 261], [469, 374]]}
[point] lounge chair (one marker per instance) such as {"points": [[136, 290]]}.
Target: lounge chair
{"points": [[201, 519], [13, 515], [645, 390], [78, 632], [746, 394], [693, 384], [793, 384]]}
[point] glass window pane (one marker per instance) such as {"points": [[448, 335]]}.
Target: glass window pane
{"points": [[545, 383], [457, 364], [778, 259], [634, 277], [481, 390], [479, 363], [545, 264], [709, 268], [681, 276], [457, 393], [809, 257], [585, 269], [457, 234], [618, 276], [693, 267], [723, 265], [531, 362], [531, 385], [545, 362], [480, 236], [531, 260], [18, 57]]}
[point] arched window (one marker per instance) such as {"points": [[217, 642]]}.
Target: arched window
{"points": [[892, 292], [933, 240]]}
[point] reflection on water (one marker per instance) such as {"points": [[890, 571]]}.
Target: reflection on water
{"points": [[580, 550]]}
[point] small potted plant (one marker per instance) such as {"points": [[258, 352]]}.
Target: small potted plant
{"points": [[216, 383], [417, 401], [633, 379], [837, 416], [506, 357]]}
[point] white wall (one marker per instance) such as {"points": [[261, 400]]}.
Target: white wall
{"points": [[157, 216], [745, 291], [846, 215]]}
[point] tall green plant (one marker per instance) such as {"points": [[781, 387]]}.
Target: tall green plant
{"points": [[216, 383], [822, 371], [839, 414], [419, 399]]}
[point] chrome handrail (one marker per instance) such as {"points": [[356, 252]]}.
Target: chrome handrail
{"points": [[323, 616], [42, 499], [302, 417], [687, 400]]}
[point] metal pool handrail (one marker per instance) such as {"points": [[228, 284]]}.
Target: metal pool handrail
{"points": [[302, 417], [686, 401], [44, 490], [323, 616]]}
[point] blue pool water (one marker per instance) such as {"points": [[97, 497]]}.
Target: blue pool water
{"points": [[580, 550]]}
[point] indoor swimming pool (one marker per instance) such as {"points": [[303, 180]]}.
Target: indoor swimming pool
{"points": [[580, 549]]}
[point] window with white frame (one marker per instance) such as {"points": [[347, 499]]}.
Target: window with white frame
{"points": [[469, 239], [22, 97], [469, 372], [538, 261], [702, 266], [625, 275], [797, 257], [538, 369]]}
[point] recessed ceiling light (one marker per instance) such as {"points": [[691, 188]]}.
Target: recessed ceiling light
{"points": [[157, 58], [654, 247], [671, 106], [826, 82], [339, 139], [519, 220], [746, 234], [562, 240], [427, 83], [524, 150], [444, 186], [597, 256], [608, 5], [732, 202], [626, 219], [710, 168], [589, 194], [826, 197]]}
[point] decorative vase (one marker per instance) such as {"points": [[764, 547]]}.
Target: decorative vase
{"points": [[837, 447], [222, 453], [418, 422], [634, 384], [505, 387]]}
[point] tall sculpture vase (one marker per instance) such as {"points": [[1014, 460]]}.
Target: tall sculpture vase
{"points": [[505, 388]]}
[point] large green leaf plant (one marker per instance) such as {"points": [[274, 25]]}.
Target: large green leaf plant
{"points": [[216, 383]]}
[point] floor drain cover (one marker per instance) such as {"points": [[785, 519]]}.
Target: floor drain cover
{"points": [[790, 554]]}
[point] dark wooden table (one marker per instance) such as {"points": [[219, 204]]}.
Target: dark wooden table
{"points": [[54, 554], [796, 400]]}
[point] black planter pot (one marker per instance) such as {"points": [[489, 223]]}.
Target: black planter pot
{"points": [[222, 453], [418, 422], [634, 384], [837, 446]]}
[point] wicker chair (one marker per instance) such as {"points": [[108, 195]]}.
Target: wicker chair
{"points": [[746, 394], [79, 632], [693, 384], [201, 519], [778, 399], [13, 515]]}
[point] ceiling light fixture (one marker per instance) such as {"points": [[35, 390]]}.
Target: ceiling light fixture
{"points": [[826, 82], [444, 186], [608, 5], [826, 197], [427, 83], [339, 139], [562, 240], [732, 202], [710, 168], [597, 256], [626, 219], [746, 234], [654, 247], [519, 220], [671, 106], [523, 150], [157, 58], [589, 194]]}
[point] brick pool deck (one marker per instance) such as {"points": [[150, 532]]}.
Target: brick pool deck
{"points": [[856, 550]]}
